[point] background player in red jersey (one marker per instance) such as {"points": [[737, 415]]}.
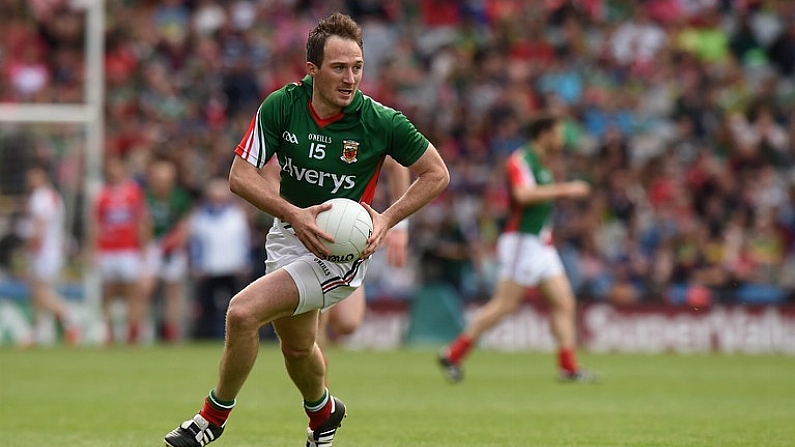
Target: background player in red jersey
{"points": [[331, 141], [526, 255], [118, 234]]}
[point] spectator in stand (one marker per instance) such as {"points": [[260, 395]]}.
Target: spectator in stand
{"points": [[687, 75], [782, 51], [220, 249], [119, 231]]}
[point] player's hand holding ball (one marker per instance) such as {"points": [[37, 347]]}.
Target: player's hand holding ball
{"points": [[307, 230], [350, 225]]}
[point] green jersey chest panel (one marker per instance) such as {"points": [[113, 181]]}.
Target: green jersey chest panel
{"points": [[318, 163], [524, 169], [323, 159]]}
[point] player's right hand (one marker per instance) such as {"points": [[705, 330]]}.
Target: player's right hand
{"points": [[307, 231], [577, 189]]}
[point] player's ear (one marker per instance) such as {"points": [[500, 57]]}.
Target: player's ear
{"points": [[311, 68]]}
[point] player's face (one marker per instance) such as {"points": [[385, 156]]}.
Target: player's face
{"points": [[338, 77], [114, 170], [35, 178], [556, 138]]}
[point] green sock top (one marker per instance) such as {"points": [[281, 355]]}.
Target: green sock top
{"points": [[221, 404]]}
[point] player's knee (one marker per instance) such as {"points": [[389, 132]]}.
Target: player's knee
{"points": [[239, 316], [296, 351], [564, 303], [504, 305], [345, 327]]}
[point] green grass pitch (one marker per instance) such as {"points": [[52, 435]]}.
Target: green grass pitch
{"points": [[133, 396]]}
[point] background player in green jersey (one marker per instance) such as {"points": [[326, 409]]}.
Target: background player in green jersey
{"points": [[526, 255], [330, 141], [166, 256]]}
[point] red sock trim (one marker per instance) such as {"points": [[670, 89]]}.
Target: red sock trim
{"points": [[170, 332], [567, 360], [459, 348], [213, 414], [133, 333], [317, 418]]}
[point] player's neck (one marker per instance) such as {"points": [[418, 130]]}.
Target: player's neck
{"points": [[539, 150], [323, 110]]}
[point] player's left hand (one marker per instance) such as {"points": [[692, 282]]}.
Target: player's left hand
{"points": [[380, 229]]}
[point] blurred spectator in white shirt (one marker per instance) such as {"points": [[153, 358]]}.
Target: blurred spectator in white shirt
{"points": [[220, 247]]}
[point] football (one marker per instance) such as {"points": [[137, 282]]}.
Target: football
{"points": [[350, 225]]}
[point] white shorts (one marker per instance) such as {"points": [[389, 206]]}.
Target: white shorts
{"points": [[525, 260], [171, 267], [121, 266], [321, 284], [46, 267]]}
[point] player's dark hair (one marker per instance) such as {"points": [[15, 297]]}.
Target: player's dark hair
{"points": [[540, 125], [41, 166], [337, 24]]}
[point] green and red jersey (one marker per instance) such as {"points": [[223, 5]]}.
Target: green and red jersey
{"points": [[166, 213], [524, 169], [339, 156]]}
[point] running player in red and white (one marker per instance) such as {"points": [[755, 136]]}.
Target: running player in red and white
{"points": [[526, 255], [118, 234], [330, 141], [46, 247]]}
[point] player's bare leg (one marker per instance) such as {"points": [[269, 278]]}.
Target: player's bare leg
{"points": [[137, 306], [45, 298], [506, 300], [173, 310], [562, 318], [562, 306], [110, 291], [345, 317], [342, 319], [270, 297], [302, 357]]}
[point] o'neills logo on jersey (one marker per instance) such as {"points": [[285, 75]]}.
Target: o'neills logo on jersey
{"points": [[319, 178], [350, 149]]}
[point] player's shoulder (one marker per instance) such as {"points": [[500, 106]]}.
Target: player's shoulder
{"points": [[374, 108], [516, 157], [383, 118], [289, 92]]}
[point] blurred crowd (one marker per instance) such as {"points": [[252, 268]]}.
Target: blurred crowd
{"points": [[680, 113]]}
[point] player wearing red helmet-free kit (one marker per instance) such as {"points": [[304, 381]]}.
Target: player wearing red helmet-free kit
{"points": [[330, 141]]}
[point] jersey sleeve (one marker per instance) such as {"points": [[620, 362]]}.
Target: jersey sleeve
{"points": [[518, 172], [408, 144], [262, 137]]}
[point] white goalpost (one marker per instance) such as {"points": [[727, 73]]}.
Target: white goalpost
{"points": [[89, 114]]}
